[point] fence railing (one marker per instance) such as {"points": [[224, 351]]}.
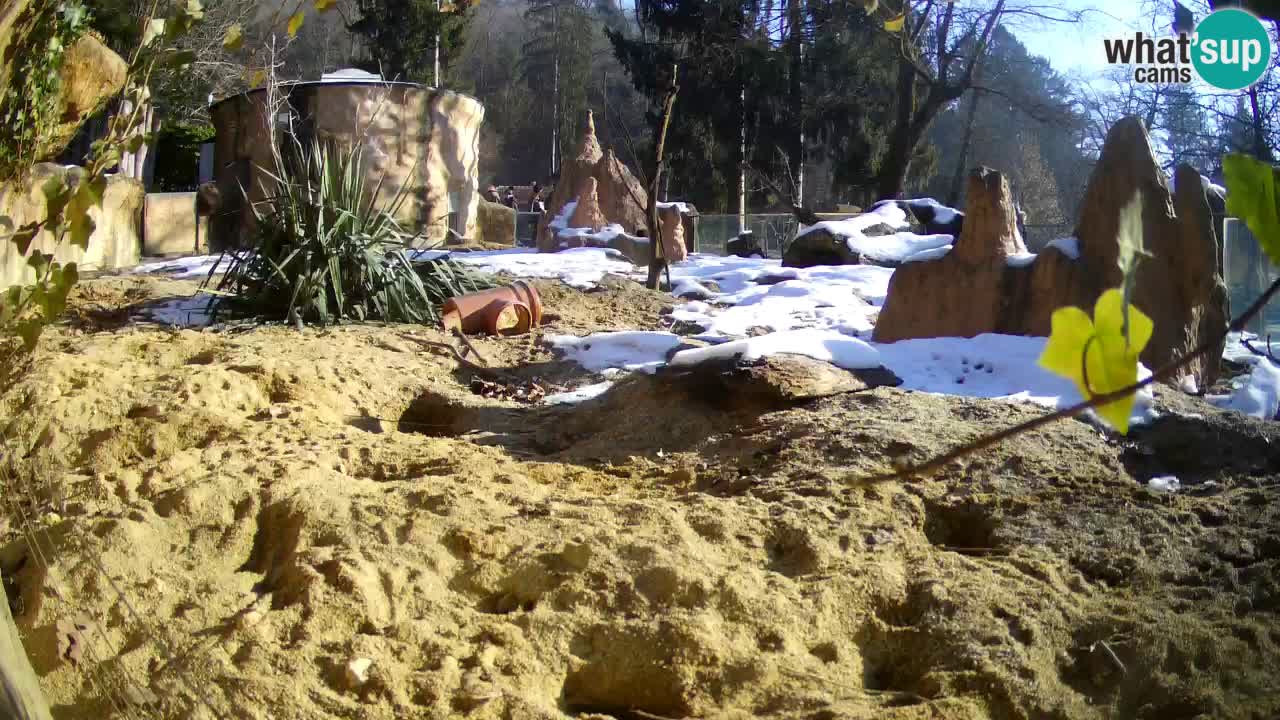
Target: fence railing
{"points": [[773, 232]]}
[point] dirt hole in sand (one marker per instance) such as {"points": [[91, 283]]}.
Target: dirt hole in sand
{"points": [[432, 414], [963, 527]]}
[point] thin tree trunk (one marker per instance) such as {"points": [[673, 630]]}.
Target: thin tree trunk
{"points": [[20, 696], [893, 171], [953, 193], [656, 259], [795, 41], [1260, 148]]}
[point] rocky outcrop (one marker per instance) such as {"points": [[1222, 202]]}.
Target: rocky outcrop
{"points": [[622, 197], [819, 247], [586, 214], [988, 283], [495, 224], [92, 73], [672, 222], [116, 239]]}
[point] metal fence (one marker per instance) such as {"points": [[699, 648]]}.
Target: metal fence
{"points": [[1248, 273], [773, 232]]}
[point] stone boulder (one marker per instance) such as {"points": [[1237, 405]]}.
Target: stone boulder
{"points": [[819, 247], [495, 224], [744, 245], [92, 73], [988, 283], [671, 220]]}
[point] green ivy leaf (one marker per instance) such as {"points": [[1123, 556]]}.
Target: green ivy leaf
{"points": [[80, 224], [1253, 195], [154, 29], [56, 196], [24, 236], [39, 261]]}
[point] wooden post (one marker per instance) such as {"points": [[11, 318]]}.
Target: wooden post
{"points": [[20, 696]]}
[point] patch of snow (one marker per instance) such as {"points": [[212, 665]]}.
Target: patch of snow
{"points": [[628, 350], [681, 207], [582, 268], [561, 221], [1020, 259], [1258, 395], [1189, 385], [830, 346], [1210, 186], [195, 266], [993, 366], [898, 247], [930, 254], [941, 213], [582, 394], [1168, 483], [1069, 246]]}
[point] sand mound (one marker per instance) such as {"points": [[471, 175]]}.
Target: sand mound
{"points": [[331, 524]]}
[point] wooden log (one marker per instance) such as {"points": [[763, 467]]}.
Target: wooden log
{"points": [[20, 696]]}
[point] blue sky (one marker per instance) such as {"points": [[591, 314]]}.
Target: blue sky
{"points": [[1076, 48]]}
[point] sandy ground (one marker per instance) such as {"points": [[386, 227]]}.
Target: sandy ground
{"points": [[234, 518]]}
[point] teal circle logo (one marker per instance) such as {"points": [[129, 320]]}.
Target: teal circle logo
{"points": [[1232, 49]]}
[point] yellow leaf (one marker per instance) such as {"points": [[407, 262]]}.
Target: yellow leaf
{"points": [[896, 23], [295, 23], [324, 5], [258, 77], [1098, 348], [233, 39]]}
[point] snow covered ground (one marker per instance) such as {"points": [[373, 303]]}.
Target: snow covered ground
{"points": [[756, 308], [1258, 393]]}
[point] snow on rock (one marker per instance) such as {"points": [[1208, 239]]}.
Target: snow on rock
{"points": [[628, 350], [681, 207], [830, 346], [1168, 483], [880, 248], [941, 213], [761, 295], [582, 268], [930, 254], [1069, 246]]}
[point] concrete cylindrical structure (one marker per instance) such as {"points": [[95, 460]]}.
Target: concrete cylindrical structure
{"points": [[422, 139]]}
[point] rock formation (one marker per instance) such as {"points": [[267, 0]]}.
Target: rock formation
{"points": [[987, 283], [91, 74], [495, 224], [116, 239], [586, 214], [674, 248], [621, 199]]}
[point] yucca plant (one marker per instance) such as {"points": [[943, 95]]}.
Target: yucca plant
{"points": [[326, 250]]}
